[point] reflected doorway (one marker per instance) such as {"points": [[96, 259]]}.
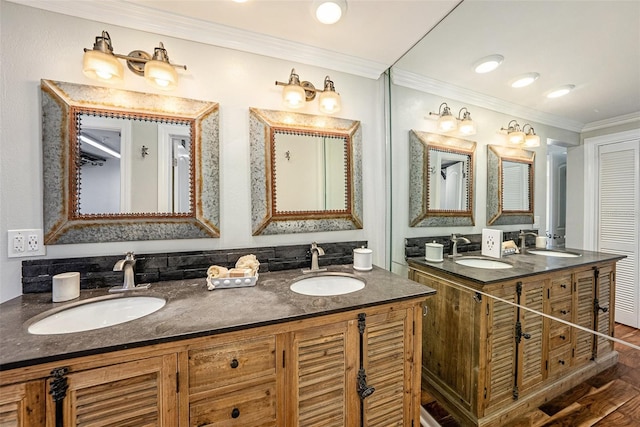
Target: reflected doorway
{"points": [[556, 195]]}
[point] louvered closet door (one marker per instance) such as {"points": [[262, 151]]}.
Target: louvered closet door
{"points": [[619, 229], [136, 394], [22, 405]]}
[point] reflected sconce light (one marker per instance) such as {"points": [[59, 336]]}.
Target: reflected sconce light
{"points": [[101, 63], [467, 126], [295, 93], [530, 138], [446, 121], [521, 136]]}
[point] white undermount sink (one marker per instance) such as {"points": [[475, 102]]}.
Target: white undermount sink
{"points": [[94, 313], [327, 284], [558, 254], [483, 263]]}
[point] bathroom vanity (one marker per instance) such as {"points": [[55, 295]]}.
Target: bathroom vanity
{"points": [[497, 342], [252, 356]]}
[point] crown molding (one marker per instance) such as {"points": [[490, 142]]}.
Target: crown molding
{"points": [[614, 121], [134, 16], [447, 90]]}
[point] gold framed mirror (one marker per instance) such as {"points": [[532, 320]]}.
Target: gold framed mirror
{"points": [[305, 173], [441, 180], [510, 185], [122, 165]]}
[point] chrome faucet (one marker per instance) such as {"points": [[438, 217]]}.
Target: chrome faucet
{"points": [[315, 251], [454, 247], [127, 265], [523, 237]]}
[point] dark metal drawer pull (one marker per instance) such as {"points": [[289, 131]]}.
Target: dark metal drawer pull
{"points": [[235, 413], [234, 363]]}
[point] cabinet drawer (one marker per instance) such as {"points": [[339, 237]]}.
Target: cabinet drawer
{"points": [[560, 308], [560, 287], [559, 360], [248, 404], [231, 362], [559, 335]]}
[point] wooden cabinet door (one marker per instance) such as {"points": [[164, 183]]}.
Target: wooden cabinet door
{"points": [[584, 287], [500, 358], [388, 350], [138, 393], [531, 366], [23, 405], [449, 336], [605, 286], [322, 373]]}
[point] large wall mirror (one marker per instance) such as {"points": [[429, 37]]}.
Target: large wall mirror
{"points": [[305, 173], [441, 180], [121, 165], [509, 185]]}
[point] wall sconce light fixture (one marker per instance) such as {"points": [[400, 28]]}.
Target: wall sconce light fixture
{"points": [[101, 63], [521, 136], [296, 93], [448, 123]]}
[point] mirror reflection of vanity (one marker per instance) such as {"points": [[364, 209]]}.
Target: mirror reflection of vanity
{"points": [[441, 180], [305, 172], [509, 185], [121, 165]]}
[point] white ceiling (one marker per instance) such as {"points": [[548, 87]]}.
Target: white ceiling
{"points": [[592, 44]]}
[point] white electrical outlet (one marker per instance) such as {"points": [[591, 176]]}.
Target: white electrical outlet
{"points": [[25, 243]]}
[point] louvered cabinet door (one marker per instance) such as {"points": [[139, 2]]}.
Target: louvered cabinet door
{"points": [[531, 368], [136, 394], [322, 369], [501, 350], [22, 405], [388, 354], [584, 288], [605, 287]]}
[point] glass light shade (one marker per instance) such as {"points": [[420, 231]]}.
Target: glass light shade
{"points": [[532, 140], [561, 91], [102, 66], [293, 96], [329, 102], [488, 64], [516, 137], [467, 127], [329, 12], [525, 80], [447, 123], [160, 74]]}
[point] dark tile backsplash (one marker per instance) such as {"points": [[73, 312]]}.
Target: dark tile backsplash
{"points": [[97, 272], [414, 246]]}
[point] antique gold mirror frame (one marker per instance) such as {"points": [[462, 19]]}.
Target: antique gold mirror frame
{"points": [[496, 156], [421, 171], [266, 218], [62, 105]]}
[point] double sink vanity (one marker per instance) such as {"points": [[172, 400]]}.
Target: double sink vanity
{"points": [[334, 348], [502, 336]]}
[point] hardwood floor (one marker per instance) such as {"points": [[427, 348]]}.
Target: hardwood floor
{"points": [[611, 398]]}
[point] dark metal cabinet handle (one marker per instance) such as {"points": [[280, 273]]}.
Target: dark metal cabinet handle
{"points": [[234, 363], [563, 286], [563, 311], [526, 336], [561, 362], [562, 337], [235, 413]]}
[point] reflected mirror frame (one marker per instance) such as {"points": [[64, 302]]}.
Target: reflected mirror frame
{"points": [[265, 221], [74, 196], [496, 155], [420, 143], [59, 99]]}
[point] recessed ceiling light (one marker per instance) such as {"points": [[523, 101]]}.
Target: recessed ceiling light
{"points": [[561, 91], [488, 63], [239, 1], [329, 11], [525, 80]]}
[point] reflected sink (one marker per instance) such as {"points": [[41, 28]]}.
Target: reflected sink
{"points": [[558, 254], [483, 263], [94, 313], [327, 284]]}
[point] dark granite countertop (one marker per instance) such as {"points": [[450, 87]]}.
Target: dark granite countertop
{"points": [[191, 311], [523, 265]]}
